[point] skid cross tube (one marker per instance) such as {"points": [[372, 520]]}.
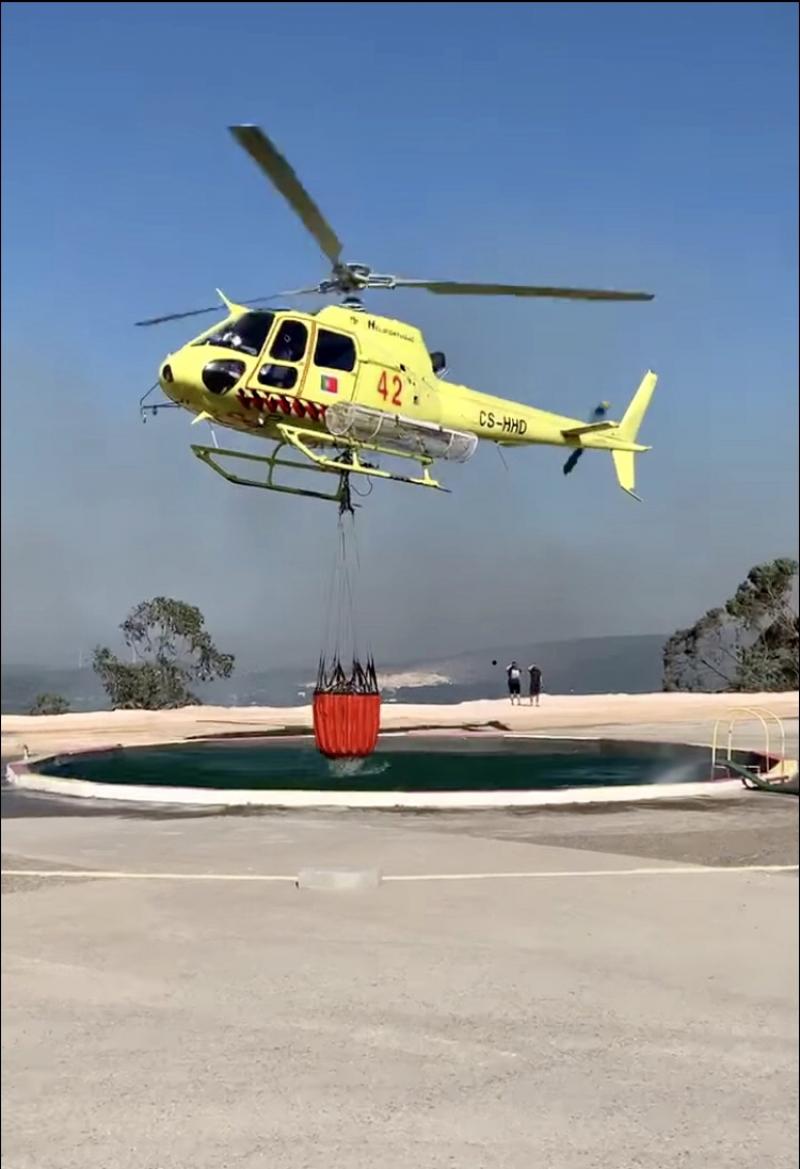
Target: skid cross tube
{"points": [[209, 455], [303, 440]]}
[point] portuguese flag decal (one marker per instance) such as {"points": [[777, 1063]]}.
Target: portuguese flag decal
{"points": [[329, 384]]}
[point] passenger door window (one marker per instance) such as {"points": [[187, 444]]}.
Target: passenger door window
{"points": [[334, 351]]}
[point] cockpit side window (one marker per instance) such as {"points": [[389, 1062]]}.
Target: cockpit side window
{"points": [[334, 351], [246, 333], [290, 341]]}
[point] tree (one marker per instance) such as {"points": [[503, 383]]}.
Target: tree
{"points": [[749, 644], [49, 704], [171, 650]]}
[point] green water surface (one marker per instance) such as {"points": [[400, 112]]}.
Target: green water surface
{"points": [[399, 764]]}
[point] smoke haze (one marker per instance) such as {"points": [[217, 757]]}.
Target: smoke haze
{"points": [[145, 205]]}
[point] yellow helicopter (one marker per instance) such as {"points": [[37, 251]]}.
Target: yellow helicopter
{"points": [[340, 391]]}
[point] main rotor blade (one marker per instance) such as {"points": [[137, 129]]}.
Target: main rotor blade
{"points": [[459, 288], [276, 168], [220, 308]]}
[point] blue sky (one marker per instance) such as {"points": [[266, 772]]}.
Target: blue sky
{"points": [[643, 146]]}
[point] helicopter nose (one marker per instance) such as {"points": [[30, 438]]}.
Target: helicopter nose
{"points": [[166, 380], [177, 376]]}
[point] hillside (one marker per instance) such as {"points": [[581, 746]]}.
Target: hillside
{"points": [[587, 666], [598, 665]]}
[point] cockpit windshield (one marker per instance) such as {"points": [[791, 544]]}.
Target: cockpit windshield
{"points": [[245, 334]]}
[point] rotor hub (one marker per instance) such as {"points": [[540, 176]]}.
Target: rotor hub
{"points": [[348, 278]]}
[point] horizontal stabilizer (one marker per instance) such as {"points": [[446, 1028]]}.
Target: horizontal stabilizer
{"points": [[587, 428]]}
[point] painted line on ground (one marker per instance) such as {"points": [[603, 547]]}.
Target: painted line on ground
{"points": [[686, 870], [674, 871], [113, 875]]}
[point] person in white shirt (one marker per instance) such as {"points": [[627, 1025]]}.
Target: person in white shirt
{"points": [[514, 675]]}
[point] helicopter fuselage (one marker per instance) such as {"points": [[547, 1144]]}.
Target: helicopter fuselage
{"points": [[259, 369]]}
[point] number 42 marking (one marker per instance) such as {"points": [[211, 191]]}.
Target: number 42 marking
{"points": [[395, 391]]}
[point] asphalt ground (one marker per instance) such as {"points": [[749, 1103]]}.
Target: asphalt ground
{"points": [[578, 988]]}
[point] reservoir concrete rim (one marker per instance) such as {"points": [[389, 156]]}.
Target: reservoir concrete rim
{"points": [[447, 773]]}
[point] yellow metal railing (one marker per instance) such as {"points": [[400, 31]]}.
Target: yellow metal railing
{"points": [[736, 714]]}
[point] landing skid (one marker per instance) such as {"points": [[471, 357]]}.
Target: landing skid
{"points": [[344, 462]]}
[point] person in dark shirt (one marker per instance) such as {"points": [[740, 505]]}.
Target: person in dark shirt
{"points": [[534, 684]]}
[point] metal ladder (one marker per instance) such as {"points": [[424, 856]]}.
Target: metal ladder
{"points": [[778, 773]]}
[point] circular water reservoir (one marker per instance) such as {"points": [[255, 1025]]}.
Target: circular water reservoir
{"points": [[401, 764]]}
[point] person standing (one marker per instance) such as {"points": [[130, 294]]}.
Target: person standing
{"points": [[534, 684], [514, 675]]}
